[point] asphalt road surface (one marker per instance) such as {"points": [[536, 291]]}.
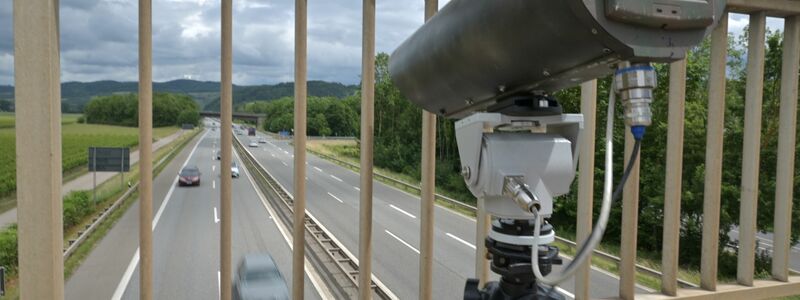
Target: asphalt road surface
{"points": [[185, 237], [764, 240], [333, 198]]}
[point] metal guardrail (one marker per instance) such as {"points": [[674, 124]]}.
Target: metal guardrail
{"points": [[344, 260], [90, 228], [400, 182], [604, 255]]}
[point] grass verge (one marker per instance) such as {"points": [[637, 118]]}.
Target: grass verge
{"points": [[107, 193]]}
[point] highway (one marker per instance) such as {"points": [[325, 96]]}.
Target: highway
{"points": [[333, 198], [765, 243], [185, 237]]}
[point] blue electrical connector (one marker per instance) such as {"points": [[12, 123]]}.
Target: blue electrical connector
{"points": [[638, 132]]}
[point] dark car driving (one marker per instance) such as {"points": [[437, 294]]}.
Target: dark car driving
{"points": [[189, 176], [259, 278]]}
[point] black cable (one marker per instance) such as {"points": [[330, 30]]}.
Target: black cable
{"points": [[617, 191]]}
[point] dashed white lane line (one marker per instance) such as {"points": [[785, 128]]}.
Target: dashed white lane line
{"points": [[460, 240], [357, 188], [337, 178], [334, 197], [216, 216], [284, 163], [213, 168], [402, 211], [401, 241], [213, 184], [318, 169]]}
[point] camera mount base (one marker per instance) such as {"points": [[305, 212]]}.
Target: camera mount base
{"points": [[512, 261]]}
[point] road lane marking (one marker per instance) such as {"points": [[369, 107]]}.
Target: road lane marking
{"points": [[213, 168], [337, 178], [402, 211], [312, 273], [216, 216], [402, 241], [334, 197], [287, 152], [284, 163], [126, 277], [213, 184], [318, 169], [462, 241], [563, 291], [273, 154], [219, 286], [357, 188]]}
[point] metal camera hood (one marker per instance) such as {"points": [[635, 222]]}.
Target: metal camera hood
{"points": [[474, 53]]}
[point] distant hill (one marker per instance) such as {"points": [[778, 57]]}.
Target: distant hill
{"points": [[74, 95], [244, 94]]}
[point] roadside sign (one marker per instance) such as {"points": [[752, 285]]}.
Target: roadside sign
{"points": [[105, 159]]}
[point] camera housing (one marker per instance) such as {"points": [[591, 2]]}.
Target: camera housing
{"points": [[474, 55]]}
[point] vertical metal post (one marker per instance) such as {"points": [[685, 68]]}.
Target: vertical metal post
{"points": [[122, 170], [752, 144], [38, 99], [226, 114], [630, 220], [672, 184], [586, 181], [714, 134], [145, 143], [482, 223], [784, 179], [427, 189], [367, 140], [299, 204], [94, 175]]}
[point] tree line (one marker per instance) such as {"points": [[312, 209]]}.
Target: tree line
{"points": [[169, 109], [398, 144]]}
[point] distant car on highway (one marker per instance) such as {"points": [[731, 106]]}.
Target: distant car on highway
{"points": [[258, 277], [262, 141], [253, 144], [234, 169], [189, 176]]}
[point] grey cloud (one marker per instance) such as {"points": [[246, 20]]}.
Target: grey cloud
{"points": [[99, 39]]}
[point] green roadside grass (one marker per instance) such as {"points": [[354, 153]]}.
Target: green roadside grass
{"points": [[76, 138], [107, 193]]}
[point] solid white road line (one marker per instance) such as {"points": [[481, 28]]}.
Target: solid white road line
{"points": [[219, 286], [337, 178], [216, 216], [334, 197], [402, 241], [126, 277], [402, 211], [318, 169], [563, 291], [461, 240]]}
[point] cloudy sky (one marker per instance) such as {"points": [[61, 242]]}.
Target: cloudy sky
{"points": [[99, 38]]}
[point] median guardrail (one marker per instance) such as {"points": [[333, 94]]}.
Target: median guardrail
{"points": [[320, 240]]}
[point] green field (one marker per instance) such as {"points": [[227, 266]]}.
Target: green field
{"points": [[7, 119], [76, 139]]}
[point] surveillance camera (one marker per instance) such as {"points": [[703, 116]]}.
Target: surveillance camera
{"points": [[478, 55]]}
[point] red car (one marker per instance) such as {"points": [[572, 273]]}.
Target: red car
{"points": [[189, 176]]}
